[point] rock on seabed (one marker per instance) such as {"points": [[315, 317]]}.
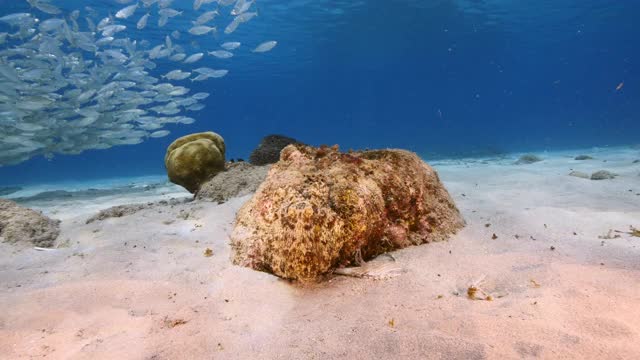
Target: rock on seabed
{"points": [[320, 209], [21, 225]]}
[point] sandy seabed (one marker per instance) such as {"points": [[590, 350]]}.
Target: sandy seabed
{"points": [[140, 286]]}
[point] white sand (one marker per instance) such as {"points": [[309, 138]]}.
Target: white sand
{"points": [[119, 287]]}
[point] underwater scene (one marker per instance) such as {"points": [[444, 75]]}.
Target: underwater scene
{"points": [[319, 179]]}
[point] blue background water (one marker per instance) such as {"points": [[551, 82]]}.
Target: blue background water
{"points": [[440, 77]]}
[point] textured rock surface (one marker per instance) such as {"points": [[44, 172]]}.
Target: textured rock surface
{"points": [[238, 179], [268, 152], [21, 225], [195, 158], [320, 209]]}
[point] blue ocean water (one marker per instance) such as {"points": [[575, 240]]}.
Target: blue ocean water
{"points": [[443, 78]]}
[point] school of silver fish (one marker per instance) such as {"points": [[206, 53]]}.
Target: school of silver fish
{"points": [[75, 81]]}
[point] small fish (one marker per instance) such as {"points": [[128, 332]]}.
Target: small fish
{"points": [[219, 73], [159, 134], [232, 26], [169, 13], [201, 30], [193, 58], [200, 77], [230, 45], [196, 107], [176, 75], [200, 95], [178, 57], [198, 3], [620, 86], [126, 11], [241, 6], [142, 23], [44, 7], [221, 54], [265, 46], [206, 17]]}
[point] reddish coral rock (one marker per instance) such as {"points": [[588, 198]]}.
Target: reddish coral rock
{"points": [[319, 208]]}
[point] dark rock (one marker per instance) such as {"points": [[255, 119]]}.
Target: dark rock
{"points": [[268, 152], [583, 157], [528, 159], [603, 175]]}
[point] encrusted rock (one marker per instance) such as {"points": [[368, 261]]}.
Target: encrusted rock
{"points": [[238, 179], [320, 209], [193, 159], [268, 152], [21, 225]]}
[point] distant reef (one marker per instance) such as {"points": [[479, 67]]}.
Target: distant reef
{"points": [[55, 195], [7, 190]]}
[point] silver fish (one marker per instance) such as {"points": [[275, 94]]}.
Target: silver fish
{"points": [[193, 58], [126, 11], [265, 46], [142, 23], [221, 54]]}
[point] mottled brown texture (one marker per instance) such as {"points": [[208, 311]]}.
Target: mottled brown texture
{"points": [[21, 225], [193, 159], [318, 207]]}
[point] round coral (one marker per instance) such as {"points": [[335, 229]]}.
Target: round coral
{"points": [[193, 159]]}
